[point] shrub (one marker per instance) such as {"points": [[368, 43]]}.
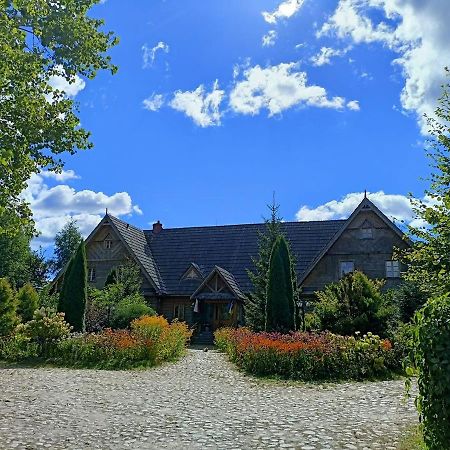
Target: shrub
{"points": [[27, 302], [308, 356], [8, 308], [48, 298], [354, 304], [45, 330], [431, 353], [129, 309], [150, 341], [149, 327], [108, 349], [17, 347]]}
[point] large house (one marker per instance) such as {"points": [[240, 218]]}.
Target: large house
{"points": [[199, 274]]}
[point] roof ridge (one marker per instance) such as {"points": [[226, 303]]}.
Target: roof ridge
{"points": [[129, 225], [291, 222]]}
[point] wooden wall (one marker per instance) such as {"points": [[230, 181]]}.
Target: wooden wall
{"points": [[369, 255]]}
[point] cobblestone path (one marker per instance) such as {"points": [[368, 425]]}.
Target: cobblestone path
{"points": [[199, 402]]}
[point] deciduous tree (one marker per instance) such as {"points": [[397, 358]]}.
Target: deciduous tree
{"points": [[67, 241], [41, 40]]}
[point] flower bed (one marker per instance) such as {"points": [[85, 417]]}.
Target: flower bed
{"points": [[150, 341], [309, 356]]}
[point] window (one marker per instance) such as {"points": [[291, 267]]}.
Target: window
{"points": [[392, 269], [346, 267], [108, 244], [91, 274], [366, 233], [178, 311]]}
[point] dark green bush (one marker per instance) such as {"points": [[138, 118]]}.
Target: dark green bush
{"points": [[431, 356], [129, 309], [355, 303]]}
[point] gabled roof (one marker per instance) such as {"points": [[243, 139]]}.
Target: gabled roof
{"points": [[228, 279], [136, 243], [365, 205], [230, 247]]}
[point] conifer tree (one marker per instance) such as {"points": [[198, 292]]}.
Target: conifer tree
{"points": [[73, 295], [255, 305], [280, 309], [8, 308], [27, 302]]}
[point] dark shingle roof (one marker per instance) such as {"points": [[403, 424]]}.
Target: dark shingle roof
{"points": [[136, 240], [230, 247]]}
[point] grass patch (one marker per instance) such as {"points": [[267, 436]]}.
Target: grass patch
{"points": [[413, 439]]}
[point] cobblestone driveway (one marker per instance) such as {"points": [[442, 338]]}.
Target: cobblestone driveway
{"points": [[198, 402]]}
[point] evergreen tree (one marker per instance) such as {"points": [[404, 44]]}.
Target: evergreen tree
{"points": [[73, 295], [255, 305], [67, 241], [27, 302], [280, 308], [8, 308]]}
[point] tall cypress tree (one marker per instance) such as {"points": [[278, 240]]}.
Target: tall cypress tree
{"points": [[72, 301], [280, 308]]}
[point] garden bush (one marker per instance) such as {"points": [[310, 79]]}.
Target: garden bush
{"points": [[431, 357], [150, 341], [8, 308], [355, 303], [17, 347], [129, 309], [309, 356], [27, 302], [45, 330]]}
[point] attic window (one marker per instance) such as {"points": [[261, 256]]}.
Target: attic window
{"points": [[108, 243], [192, 273], [366, 233]]}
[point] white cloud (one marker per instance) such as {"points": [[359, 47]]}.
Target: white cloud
{"points": [[63, 176], [70, 88], [397, 207], [149, 54], [268, 40], [53, 206], [201, 106], [285, 10], [277, 88], [416, 30], [325, 55], [154, 103], [353, 105]]}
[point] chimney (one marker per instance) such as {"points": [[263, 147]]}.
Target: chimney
{"points": [[157, 227]]}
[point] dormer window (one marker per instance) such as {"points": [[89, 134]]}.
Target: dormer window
{"points": [[192, 273]]}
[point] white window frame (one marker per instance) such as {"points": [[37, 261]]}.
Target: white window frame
{"points": [[366, 233], [91, 274], [344, 267], [392, 269]]}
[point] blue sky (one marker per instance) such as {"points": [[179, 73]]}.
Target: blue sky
{"points": [[218, 104]]}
